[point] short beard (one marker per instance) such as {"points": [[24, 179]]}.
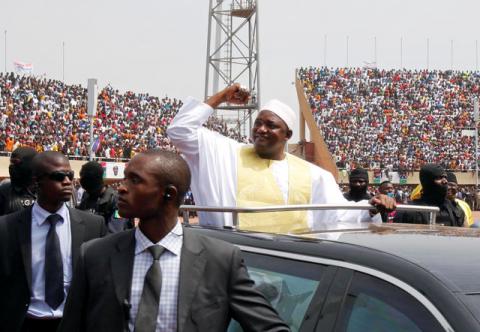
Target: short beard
{"points": [[269, 154]]}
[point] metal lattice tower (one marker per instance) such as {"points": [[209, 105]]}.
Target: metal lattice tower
{"points": [[233, 57]]}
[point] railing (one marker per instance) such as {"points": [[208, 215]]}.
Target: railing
{"points": [[432, 210]]}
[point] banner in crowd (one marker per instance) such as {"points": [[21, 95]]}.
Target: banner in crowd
{"points": [[369, 65], [96, 145], [113, 170], [22, 67], [394, 177], [468, 132]]}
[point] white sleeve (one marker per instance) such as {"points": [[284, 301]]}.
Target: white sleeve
{"points": [[211, 158], [183, 131], [325, 190]]}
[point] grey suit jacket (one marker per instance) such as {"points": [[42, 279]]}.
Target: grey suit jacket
{"points": [[16, 259], [214, 287]]}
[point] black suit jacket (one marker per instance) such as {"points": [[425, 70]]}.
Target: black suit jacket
{"points": [[16, 259], [214, 286], [449, 215]]}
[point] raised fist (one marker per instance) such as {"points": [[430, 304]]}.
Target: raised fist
{"points": [[235, 94]]}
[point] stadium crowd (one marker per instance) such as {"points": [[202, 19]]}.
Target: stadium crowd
{"points": [[50, 115], [58, 264], [405, 118]]}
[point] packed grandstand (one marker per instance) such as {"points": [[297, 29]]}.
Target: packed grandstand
{"points": [[397, 119], [374, 118], [50, 115]]}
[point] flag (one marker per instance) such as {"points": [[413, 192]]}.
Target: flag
{"points": [[22, 67], [96, 145], [369, 65], [468, 132]]}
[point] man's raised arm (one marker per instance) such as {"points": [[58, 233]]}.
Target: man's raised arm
{"points": [[193, 114]]}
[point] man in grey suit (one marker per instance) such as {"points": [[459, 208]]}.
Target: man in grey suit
{"points": [[161, 276], [39, 246]]}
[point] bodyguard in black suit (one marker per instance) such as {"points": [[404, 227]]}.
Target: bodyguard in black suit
{"points": [[160, 276], [38, 247]]}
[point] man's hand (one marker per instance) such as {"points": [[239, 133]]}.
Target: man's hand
{"points": [[233, 94], [382, 203]]}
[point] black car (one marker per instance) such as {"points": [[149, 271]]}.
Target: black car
{"points": [[389, 277]]}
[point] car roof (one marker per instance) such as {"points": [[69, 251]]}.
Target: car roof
{"points": [[450, 253]]}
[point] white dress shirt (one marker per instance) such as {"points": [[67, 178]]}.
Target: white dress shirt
{"points": [[280, 173], [170, 265], [38, 307]]}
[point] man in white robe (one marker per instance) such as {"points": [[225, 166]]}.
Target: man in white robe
{"points": [[216, 165]]}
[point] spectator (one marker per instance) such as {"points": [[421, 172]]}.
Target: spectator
{"points": [[404, 118], [458, 203], [100, 199], [50, 115], [358, 183], [19, 193], [433, 179], [387, 188]]}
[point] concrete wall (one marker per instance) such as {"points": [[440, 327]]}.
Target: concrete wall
{"points": [[5, 161]]}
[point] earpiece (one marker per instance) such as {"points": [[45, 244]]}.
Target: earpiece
{"points": [[170, 192]]}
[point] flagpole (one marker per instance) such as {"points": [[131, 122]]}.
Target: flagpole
{"points": [[428, 53], [401, 52], [63, 62], [5, 51], [325, 50], [451, 54], [347, 50], [476, 55]]}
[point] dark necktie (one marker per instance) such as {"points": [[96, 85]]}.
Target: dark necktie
{"points": [[53, 265], [146, 320]]}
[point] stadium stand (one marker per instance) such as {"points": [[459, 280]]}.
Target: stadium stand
{"points": [[50, 115], [394, 119]]}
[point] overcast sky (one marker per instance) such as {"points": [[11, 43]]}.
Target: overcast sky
{"points": [[159, 46]]}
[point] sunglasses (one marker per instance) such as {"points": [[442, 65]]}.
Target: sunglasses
{"points": [[59, 176]]}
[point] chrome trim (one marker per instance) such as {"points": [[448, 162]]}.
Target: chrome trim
{"points": [[373, 272], [432, 210], [299, 207]]}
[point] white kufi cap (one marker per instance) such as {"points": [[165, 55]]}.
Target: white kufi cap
{"points": [[282, 110]]}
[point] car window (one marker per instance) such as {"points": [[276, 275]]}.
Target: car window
{"points": [[289, 285], [372, 304]]}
